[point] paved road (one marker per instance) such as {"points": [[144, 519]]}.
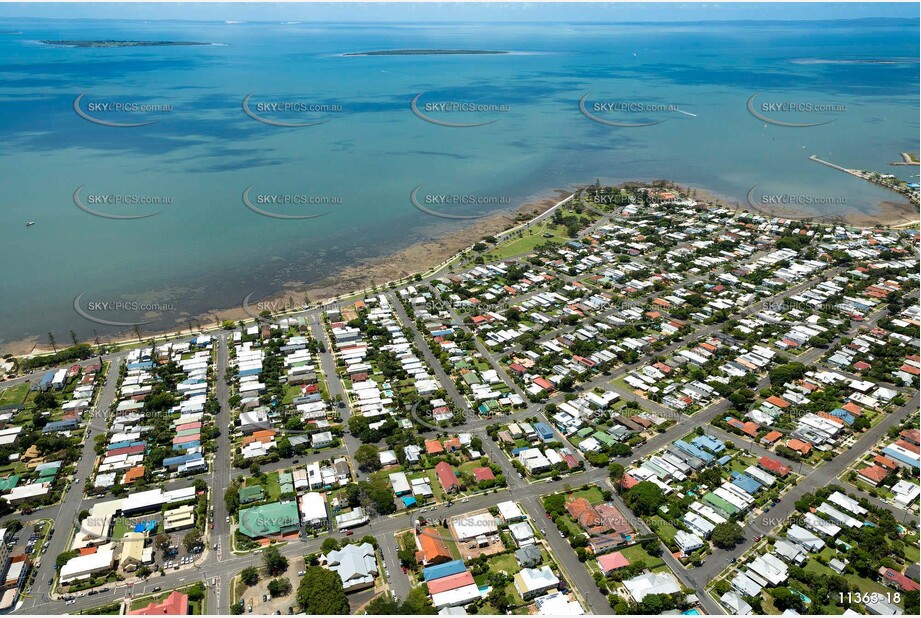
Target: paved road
{"points": [[221, 473], [65, 514]]}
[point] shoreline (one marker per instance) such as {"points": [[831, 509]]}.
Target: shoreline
{"points": [[430, 256], [363, 276]]}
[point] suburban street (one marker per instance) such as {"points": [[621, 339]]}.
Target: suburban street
{"points": [[219, 564]]}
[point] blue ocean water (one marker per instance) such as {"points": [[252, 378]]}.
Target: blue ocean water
{"points": [[206, 250]]}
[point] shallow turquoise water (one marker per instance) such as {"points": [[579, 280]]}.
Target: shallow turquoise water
{"points": [[207, 250]]}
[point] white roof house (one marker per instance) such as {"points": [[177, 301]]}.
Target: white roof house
{"points": [[651, 583], [313, 508], [509, 511], [82, 567], [558, 604], [471, 526], [531, 582], [735, 604], [356, 565], [688, 541]]}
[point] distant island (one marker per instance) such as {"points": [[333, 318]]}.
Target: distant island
{"points": [[426, 52], [69, 43]]}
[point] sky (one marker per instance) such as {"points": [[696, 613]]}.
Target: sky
{"points": [[466, 12]]}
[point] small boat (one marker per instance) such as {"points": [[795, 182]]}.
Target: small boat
{"points": [[30, 223]]}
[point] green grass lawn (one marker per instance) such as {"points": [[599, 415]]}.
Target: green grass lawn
{"points": [[574, 528], [530, 239], [868, 585], [635, 553], [121, 527], [592, 494], [504, 562], [665, 530], [814, 566], [912, 553], [468, 466], [452, 547], [291, 391], [272, 488], [14, 394]]}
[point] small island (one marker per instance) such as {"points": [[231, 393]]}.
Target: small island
{"points": [[78, 43], [427, 52]]}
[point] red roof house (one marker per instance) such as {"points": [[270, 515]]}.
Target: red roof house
{"points": [[176, 604], [447, 477]]}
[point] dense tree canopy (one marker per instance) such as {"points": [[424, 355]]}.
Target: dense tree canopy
{"points": [[320, 592]]}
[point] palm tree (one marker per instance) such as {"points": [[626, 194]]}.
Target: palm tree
{"points": [[51, 339], [73, 337]]}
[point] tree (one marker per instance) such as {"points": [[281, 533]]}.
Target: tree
{"points": [[727, 535], [196, 592], [912, 599], [781, 374], [320, 592], [785, 599], [368, 457], [384, 605], [645, 498], [65, 557], [162, 541], [192, 540], [280, 587], [45, 401], [232, 498], [275, 563], [499, 599], [249, 576], [330, 544], [417, 603], [554, 504]]}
